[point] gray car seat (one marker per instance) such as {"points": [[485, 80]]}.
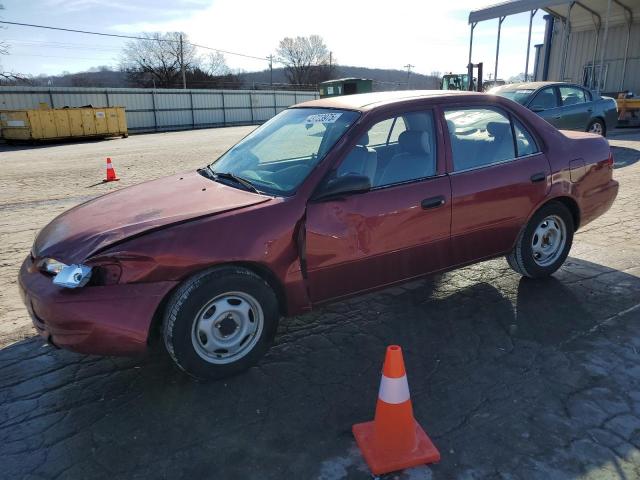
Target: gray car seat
{"points": [[501, 148], [362, 160], [415, 159]]}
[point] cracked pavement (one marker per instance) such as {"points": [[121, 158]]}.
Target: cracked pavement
{"points": [[511, 378]]}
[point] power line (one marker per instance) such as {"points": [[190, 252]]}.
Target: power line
{"points": [[131, 37], [52, 44], [59, 56]]}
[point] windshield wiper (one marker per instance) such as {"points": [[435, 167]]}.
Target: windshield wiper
{"points": [[235, 178]]}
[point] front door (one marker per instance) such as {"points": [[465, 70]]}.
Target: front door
{"points": [[396, 231], [496, 182], [546, 103]]}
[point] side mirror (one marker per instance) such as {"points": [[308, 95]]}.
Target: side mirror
{"points": [[342, 186]]}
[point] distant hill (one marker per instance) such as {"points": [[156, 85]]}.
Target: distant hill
{"points": [[383, 79]]}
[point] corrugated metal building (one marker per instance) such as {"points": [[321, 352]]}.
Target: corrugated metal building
{"points": [[595, 43], [161, 110]]}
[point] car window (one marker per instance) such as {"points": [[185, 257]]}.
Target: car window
{"points": [[411, 157], [277, 156], [571, 96], [379, 133], [520, 95], [398, 127], [479, 137], [544, 99], [270, 149], [525, 143]]}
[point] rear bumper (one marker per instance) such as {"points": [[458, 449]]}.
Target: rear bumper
{"points": [[598, 201], [109, 320]]}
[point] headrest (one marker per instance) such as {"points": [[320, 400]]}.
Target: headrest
{"points": [[364, 140], [414, 141], [497, 129]]}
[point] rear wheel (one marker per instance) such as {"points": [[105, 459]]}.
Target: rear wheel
{"points": [[543, 245], [220, 322], [597, 126]]}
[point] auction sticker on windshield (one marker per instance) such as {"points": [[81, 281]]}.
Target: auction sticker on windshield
{"points": [[322, 118]]}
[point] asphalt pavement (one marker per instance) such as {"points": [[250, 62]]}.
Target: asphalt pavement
{"points": [[511, 378]]}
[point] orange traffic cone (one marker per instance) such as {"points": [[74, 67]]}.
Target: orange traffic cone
{"points": [[394, 440], [111, 173]]}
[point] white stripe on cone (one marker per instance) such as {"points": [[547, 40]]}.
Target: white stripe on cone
{"points": [[394, 390]]}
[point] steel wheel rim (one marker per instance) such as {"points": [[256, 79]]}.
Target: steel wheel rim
{"points": [[548, 240], [596, 127], [227, 327]]}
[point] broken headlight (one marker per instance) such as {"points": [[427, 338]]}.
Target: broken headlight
{"points": [[68, 276], [51, 266]]}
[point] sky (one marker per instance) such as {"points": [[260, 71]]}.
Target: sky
{"points": [[431, 35]]}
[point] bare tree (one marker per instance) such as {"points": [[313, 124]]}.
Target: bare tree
{"points": [[9, 77], [307, 60], [156, 59], [216, 65]]}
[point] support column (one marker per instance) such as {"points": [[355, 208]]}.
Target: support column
{"points": [[495, 72], [626, 50], [604, 45], [593, 60], [469, 63], [567, 39], [526, 67]]}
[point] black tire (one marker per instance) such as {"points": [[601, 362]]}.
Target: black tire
{"points": [[522, 259], [602, 124], [188, 301]]}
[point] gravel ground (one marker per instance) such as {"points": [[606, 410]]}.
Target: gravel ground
{"points": [[512, 379]]}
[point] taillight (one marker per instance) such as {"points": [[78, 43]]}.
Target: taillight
{"points": [[609, 162]]}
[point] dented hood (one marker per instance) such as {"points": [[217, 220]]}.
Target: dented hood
{"points": [[98, 223]]}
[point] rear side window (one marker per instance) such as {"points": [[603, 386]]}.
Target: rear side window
{"points": [[525, 143], [479, 137], [571, 96]]}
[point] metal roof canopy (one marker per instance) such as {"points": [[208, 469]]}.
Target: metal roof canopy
{"points": [[575, 15]]}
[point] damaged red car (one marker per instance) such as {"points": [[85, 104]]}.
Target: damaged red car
{"points": [[328, 199]]}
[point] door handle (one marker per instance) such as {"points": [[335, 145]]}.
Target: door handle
{"points": [[557, 117], [538, 177], [433, 202]]}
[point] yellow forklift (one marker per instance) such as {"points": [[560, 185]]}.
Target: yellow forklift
{"points": [[460, 81]]}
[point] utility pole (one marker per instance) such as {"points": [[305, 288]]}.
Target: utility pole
{"points": [[330, 61], [408, 66], [271, 70], [184, 76]]}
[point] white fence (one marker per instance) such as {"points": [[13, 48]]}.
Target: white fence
{"points": [[157, 110]]}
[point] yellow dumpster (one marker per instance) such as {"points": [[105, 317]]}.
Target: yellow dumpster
{"points": [[61, 123]]}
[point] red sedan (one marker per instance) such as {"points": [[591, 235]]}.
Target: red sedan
{"points": [[328, 199]]}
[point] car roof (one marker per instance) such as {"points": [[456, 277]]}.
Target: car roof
{"points": [[533, 85], [369, 101]]}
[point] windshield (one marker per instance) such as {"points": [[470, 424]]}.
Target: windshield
{"points": [[279, 155], [521, 96]]}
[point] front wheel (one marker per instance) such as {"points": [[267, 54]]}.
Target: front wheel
{"points": [[543, 245], [220, 322]]}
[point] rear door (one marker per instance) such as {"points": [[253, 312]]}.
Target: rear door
{"points": [[575, 109], [498, 175]]}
